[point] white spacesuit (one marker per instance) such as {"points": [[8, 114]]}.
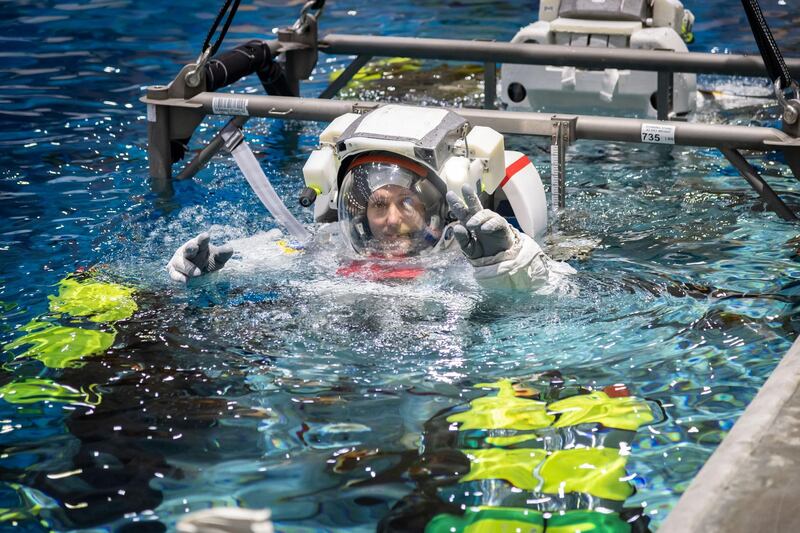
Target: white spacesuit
{"points": [[401, 182]]}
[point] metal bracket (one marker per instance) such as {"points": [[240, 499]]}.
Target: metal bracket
{"points": [[563, 134], [791, 118], [302, 20], [791, 107], [299, 44], [791, 112], [195, 76], [168, 121], [178, 88], [362, 108], [235, 136]]}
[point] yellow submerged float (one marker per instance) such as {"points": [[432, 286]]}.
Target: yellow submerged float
{"points": [[530, 459]]}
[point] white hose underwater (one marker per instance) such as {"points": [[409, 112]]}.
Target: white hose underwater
{"points": [[260, 184]]}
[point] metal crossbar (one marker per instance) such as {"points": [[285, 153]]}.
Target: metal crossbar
{"points": [[518, 123], [550, 54]]}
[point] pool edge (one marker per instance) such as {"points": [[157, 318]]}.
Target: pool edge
{"points": [[746, 480]]}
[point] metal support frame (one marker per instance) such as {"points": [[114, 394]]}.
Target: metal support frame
{"points": [[791, 117], [489, 84], [563, 134], [568, 129], [519, 123], [344, 78], [176, 110], [763, 189]]}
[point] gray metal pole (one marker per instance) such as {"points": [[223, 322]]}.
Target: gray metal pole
{"points": [[686, 134], [587, 127], [757, 182], [345, 77], [545, 54], [159, 153], [281, 107]]}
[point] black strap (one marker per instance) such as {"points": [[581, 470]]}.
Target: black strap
{"points": [[253, 56], [773, 60], [222, 11]]}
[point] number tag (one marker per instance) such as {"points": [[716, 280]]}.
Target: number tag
{"points": [[657, 134]]}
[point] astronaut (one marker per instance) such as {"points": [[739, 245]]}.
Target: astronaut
{"points": [[401, 181]]}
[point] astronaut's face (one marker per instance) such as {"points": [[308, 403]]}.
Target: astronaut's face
{"points": [[396, 216], [390, 207]]}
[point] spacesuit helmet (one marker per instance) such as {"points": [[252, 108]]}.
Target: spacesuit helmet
{"points": [[391, 206]]}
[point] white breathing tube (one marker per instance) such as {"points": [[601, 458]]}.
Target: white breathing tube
{"points": [[260, 184]]}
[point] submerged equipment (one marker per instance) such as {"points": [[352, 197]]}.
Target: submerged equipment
{"points": [[531, 455], [211, 73], [613, 24]]}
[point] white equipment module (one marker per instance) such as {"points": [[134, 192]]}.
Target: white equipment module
{"points": [[633, 24]]}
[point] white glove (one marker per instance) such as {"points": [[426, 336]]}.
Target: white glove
{"points": [[482, 233], [197, 257]]}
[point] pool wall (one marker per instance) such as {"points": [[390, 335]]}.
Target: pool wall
{"points": [[752, 481]]}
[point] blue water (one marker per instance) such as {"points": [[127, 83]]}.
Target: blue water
{"points": [[242, 389]]}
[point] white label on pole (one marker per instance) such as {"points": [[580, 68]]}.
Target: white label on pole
{"points": [[657, 134], [151, 113], [223, 105]]}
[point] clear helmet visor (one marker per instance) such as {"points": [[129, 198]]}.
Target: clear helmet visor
{"points": [[391, 207]]}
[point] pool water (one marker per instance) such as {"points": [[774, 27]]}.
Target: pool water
{"points": [[243, 389]]}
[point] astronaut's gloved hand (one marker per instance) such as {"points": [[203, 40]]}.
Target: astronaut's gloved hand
{"points": [[197, 257], [502, 257], [481, 233]]}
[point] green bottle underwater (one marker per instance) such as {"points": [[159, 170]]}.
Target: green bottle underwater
{"points": [[528, 457]]}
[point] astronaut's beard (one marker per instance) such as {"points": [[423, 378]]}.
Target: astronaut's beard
{"points": [[393, 247]]}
